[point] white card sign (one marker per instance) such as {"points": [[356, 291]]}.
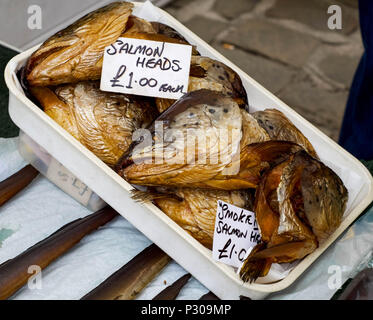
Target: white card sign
{"points": [[236, 232], [147, 68]]}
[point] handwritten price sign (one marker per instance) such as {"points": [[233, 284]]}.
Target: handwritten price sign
{"points": [[236, 232], [147, 68]]}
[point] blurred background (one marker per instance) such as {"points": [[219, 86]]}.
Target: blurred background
{"points": [[285, 45]]}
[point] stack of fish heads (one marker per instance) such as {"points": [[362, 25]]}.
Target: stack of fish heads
{"points": [[61, 77], [209, 146], [102, 121], [194, 209], [200, 146], [207, 73], [76, 53], [298, 204]]}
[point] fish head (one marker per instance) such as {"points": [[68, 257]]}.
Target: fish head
{"points": [[210, 74], [136, 24], [75, 53], [279, 127], [203, 125], [208, 108], [324, 197], [166, 30], [209, 115], [207, 73]]}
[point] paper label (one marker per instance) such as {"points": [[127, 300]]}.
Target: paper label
{"points": [[147, 68], [65, 180], [236, 232]]}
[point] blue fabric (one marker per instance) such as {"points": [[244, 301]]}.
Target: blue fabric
{"points": [[357, 128]]}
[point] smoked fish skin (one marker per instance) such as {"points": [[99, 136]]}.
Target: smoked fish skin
{"points": [[279, 127], [138, 25], [194, 209], [102, 121], [298, 205], [197, 114], [207, 73], [202, 146], [75, 53]]}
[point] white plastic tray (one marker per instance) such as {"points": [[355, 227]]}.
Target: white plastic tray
{"points": [[55, 172], [151, 221]]}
